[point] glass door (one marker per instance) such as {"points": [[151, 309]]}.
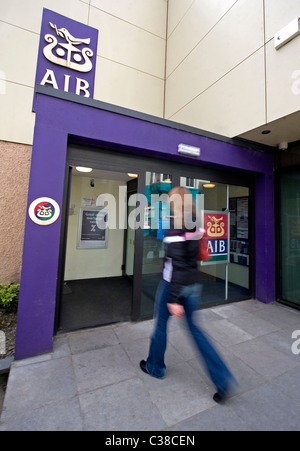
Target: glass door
{"points": [[290, 238], [225, 217], [100, 249], [157, 214], [110, 274], [224, 210]]}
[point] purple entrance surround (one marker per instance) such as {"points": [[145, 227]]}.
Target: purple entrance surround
{"points": [[59, 115]]}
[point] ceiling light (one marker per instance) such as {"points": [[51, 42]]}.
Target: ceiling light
{"points": [[209, 185], [266, 132], [133, 176], [83, 169]]}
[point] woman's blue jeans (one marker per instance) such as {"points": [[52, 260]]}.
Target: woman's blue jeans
{"points": [[190, 297]]}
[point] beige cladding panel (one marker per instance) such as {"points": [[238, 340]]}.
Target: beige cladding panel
{"points": [[283, 79], [176, 11], [223, 49], [278, 14], [17, 119], [131, 52], [144, 14], [209, 42], [16, 41], [137, 91], [282, 65], [199, 20], [126, 44], [234, 103], [28, 14]]}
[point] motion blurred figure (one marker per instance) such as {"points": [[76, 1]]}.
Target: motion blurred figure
{"points": [[179, 293]]}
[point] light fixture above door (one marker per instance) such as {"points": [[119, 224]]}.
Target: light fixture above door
{"points": [[83, 169]]}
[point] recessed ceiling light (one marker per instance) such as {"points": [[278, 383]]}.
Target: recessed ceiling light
{"points": [[209, 185], [83, 169], [133, 176], [266, 132]]}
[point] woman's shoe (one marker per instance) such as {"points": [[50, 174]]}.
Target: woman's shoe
{"points": [[218, 398], [143, 367]]}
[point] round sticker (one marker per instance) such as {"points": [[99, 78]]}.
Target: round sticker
{"points": [[44, 211]]}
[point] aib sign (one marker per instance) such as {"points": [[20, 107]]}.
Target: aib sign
{"points": [[67, 54], [44, 211], [216, 226]]}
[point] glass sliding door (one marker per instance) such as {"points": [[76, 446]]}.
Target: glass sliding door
{"points": [[290, 238], [225, 217], [224, 211], [156, 222], [240, 242], [111, 275], [100, 250]]}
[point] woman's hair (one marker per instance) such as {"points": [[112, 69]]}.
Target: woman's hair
{"points": [[182, 207]]}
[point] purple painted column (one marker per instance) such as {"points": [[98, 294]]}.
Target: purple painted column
{"points": [[41, 247], [265, 238]]}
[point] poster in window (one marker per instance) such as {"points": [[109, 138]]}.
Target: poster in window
{"points": [[216, 224], [93, 228], [242, 218]]}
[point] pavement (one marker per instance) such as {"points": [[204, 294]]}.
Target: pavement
{"points": [[92, 380]]}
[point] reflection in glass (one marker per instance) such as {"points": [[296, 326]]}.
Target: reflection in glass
{"points": [[224, 278], [156, 222]]}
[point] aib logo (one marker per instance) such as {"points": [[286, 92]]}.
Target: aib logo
{"points": [[216, 226], [44, 211], [67, 54]]}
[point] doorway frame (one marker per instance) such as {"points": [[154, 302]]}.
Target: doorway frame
{"points": [[62, 118], [116, 161]]}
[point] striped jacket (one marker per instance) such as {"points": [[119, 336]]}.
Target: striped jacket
{"points": [[181, 261]]}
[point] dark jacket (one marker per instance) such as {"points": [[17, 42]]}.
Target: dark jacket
{"points": [[181, 262]]}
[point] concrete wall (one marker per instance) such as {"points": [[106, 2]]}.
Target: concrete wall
{"points": [[13, 200]]}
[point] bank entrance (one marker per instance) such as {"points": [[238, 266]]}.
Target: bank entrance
{"points": [[116, 215]]}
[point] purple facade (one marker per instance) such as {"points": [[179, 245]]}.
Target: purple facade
{"points": [[56, 119]]}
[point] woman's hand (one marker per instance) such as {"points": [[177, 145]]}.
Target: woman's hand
{"points": [[176, 310]]}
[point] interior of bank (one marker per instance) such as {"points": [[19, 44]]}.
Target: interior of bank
{"points": [[102, 216]]}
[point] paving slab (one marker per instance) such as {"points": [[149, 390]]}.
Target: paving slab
{"points": [[92, 380], [124, 406]]}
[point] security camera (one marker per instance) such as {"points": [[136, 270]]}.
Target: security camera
{"points": [[283, 145], [92, 183]]}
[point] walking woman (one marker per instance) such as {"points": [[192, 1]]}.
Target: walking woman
{"points": [[179, 293]]}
